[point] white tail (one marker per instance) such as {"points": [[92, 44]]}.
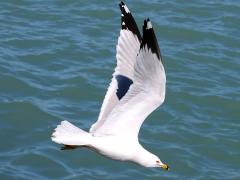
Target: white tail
{"points": [[68, 134]]}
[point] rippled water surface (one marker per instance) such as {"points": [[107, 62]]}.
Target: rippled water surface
{"points": [[56, 61]]}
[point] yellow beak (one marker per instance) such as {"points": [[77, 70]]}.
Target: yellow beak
{"points": [[165, 167]]}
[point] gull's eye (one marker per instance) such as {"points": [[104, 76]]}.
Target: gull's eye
{"points": [[157, 161]]}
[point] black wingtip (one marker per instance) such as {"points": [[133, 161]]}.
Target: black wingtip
{"points": [[121, 3], [144, 24], [149, 38], [127, 20]]}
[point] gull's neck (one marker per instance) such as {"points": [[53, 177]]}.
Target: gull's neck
{"points": [[143, 156]]}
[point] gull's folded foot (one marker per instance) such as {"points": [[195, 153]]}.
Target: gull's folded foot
{"points": [[68, 147]]}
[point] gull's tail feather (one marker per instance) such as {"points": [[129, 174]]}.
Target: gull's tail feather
{"points": [[70, 135]]}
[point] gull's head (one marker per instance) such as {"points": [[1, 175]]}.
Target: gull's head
{"points": [[148, 159], [154, 161]]}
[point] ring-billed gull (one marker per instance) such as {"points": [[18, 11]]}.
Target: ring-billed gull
{"points": [[137, 89]]}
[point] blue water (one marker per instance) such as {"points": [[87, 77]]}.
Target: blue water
{"points": [[56, 61]]}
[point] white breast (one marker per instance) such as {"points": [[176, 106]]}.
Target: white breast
{"points": [[118, 148]]}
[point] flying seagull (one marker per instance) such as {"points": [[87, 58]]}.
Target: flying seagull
{"points": [[136, 90]]}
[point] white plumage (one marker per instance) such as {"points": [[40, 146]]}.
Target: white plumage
{"points": [[137, 88]]}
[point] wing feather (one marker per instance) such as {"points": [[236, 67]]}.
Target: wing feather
{"points": [[127, 49], [146, 93]]}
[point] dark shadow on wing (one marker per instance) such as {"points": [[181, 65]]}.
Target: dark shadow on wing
{"points": [[123, 85]]}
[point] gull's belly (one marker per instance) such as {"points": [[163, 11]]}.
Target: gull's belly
{"points": [[116, 148]]}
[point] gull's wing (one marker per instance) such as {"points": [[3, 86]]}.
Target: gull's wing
{"points": [[145, 94], [127, 49]]}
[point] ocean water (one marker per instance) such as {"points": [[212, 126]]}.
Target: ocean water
{"points": [[57, 59]]}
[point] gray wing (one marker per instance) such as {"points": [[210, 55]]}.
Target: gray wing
{"points": [[145, 94], [127, 49]]}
